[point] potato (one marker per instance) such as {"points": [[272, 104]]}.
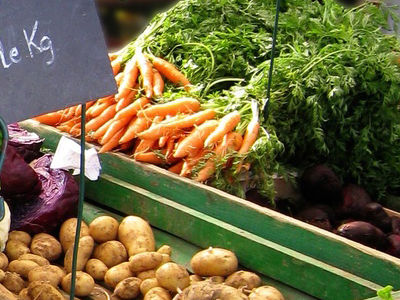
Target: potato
{"points": [[22, 267], [146, 274], [96, 268], [266, 292], [2, 275], [24, 294], [214, 262], [85, 250], [206, 290], [5, 294], [157, 293], [68, 230], [145, 261], [117, 273], [49, 273], [41, 261], [103, 229], [84, 284], [15, 249], [165, 249], [172, 276], [136, 235], [128, 288], [111, 253], [246, 279], [21, 236], [165, 258], [47, 246], [14, 282], [39, 290], [195, 278], [216, 279], [148, 284], [3, 261]]}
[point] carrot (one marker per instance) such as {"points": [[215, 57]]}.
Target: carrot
{"points": [[135, 126], [115, 126], [182, 105], [51, 119], [106, 115], [75, 130], [116, 65], [100, 106], [124, 102], [89, 104], [195, 140], [118, 78], [126, 146], [185, 122], [169, 71], [114, 55], [99, 133], [231, 141], [226, 124], [177, 167], [158, 83], [131, 73], [144, 146], [132, 109], [68, 113], [193, 160], [149, 157], [113, 142], [146, 71]]}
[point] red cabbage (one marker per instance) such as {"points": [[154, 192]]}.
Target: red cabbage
{"points": [[57, 201], [26, 143], [18, 179]]}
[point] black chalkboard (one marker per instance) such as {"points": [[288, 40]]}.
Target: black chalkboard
{"points": [[52, 55]]}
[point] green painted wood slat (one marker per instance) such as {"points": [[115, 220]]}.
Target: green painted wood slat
{"points": [[290, 267], [304, 238]]}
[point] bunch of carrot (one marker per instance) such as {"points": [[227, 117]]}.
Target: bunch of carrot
{"points": [[176, 134]]}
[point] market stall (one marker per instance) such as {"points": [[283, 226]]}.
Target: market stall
{"points": [[264, 128]]}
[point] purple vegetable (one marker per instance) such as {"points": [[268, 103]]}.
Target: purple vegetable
{"points": [[376, 215], [394, 247], [18, 179], [316, 216], [321, 185], [355, 198], [395, 225], [26, 143], [57, 201], [364, 233]]}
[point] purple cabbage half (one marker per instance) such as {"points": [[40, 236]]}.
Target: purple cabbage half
{"points": [[26, 143], [57, 201]]}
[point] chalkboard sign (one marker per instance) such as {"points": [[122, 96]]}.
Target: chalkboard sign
{"points": [[52, 55]]}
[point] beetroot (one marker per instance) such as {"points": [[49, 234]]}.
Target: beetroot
{"points": [[394, 245], [355, 198], [320, 184], [316, 216], [375, 214], [364, 233]]}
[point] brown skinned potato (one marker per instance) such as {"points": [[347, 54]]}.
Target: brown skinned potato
{"points": [[172, 277], [47, 246], [266, 292], [214, 262], [48, 273], [96, 268], [85, 250], [246, 279], [68, 230], [84, 284], [21, 236], [145, 261], [129, 288], [103, 229], [111, 253]]}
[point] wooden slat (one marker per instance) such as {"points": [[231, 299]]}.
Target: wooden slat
{"points": [[182, 251], [293, 268], [314, 242]]}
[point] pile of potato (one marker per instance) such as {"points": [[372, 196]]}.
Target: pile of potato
{"points": [[121, 257]]}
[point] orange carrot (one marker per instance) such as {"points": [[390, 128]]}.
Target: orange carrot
{"points": [[144, 146], [106, 115], [99, 107], [231, 141], [99, 133], [115, 126], [116, 65], [149, 157], [130, 76], [132, 109], [158, 83], [118, 78], [114, 55], [89, 104], [135, 126], [195, 140], [177, 167], [226, 124], [182, 105], [124, 102], [187, 121], [52, 118], [193, 160], [68, 113], [146, 71], [169, 71], [113, 142], [75, 130], [126, 146]]}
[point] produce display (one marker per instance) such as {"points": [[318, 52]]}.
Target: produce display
{"points": [[334, 94], [120, 260]]}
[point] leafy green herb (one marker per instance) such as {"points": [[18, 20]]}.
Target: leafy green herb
{"points": [[386, 293]]}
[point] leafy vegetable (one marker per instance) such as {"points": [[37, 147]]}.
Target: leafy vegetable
{"points": [[335, 89], [385, 293], [57, 201], [26, 143]]}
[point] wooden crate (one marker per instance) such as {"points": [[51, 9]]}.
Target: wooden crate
{"points": [[312, 260]]}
